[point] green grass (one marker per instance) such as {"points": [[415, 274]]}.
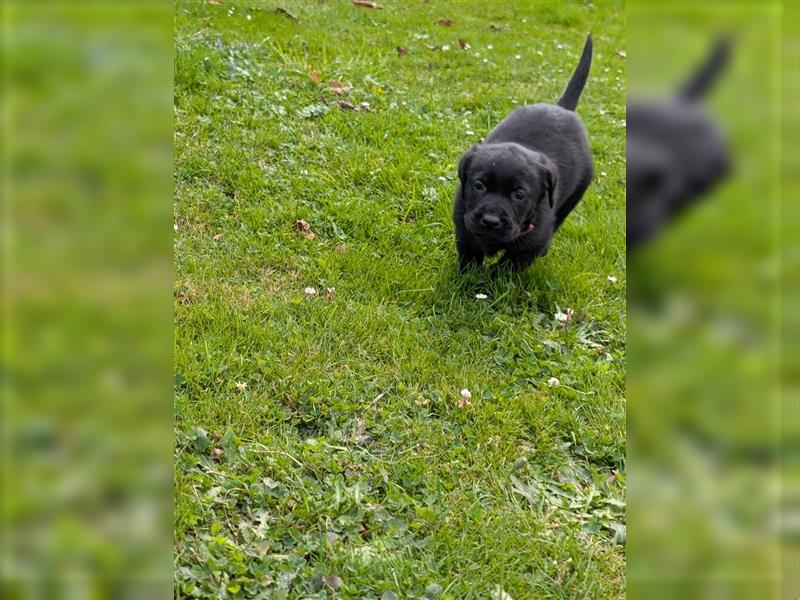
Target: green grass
{"points": [[347, 463]]}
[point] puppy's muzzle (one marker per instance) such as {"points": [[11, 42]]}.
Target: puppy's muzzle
{"points": [[490, 221]]}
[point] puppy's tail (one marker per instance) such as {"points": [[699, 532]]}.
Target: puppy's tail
{"points": [[704, 77], [569, 99]]}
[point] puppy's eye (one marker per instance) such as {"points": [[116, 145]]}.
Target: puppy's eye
{"points": [[478, 186], [518, 195]]}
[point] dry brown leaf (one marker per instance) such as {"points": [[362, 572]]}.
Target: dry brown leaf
{"points": [[401, 51], [367, 4], [463, 43], [315, 76], [445, 22], [346, 105], [285, 12], [622, 54], [340, 88], [305, 227]]}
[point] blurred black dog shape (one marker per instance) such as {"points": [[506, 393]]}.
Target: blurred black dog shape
{"points": [[675, 152], [519, 185]]}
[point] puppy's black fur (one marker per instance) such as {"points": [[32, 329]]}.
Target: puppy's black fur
{"points": [[675, 152], [519, 185]]}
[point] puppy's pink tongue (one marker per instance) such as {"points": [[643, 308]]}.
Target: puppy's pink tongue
{"points": [[527, 229]]}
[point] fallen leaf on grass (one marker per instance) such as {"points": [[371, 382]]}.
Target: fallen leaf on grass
{"points": [[445, 22], [366, 4], [339, 87], [285, 12], [622, 54], [401, 51], [305, 227], [463, 43], [314, 76], [494, 27]]}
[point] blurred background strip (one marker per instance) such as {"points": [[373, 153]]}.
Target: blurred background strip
{"points": [[713, 265], [86, 311]]}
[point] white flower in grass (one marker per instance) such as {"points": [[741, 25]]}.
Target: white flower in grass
{"points": [[310, 292], [463, 401], [611, 279], [553, 381], [481, 296], [241, 386], [563, 317], [175, 226]]}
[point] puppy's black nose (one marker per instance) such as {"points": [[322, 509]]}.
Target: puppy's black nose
{"points": [[490, 221]]}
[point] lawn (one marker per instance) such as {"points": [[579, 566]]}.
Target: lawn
{"points": [[321, 445]]}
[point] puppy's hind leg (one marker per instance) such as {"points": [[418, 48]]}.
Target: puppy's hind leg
{"points": [[569, 204]]}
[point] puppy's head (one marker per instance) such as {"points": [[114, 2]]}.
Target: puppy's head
{"points": [[504, 188]]}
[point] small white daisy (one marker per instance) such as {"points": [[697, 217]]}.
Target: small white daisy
{"points": [[611, 279], [603, 173], [517, 56], [241, 386], [175, 226], [249, 17], [489, 47], [553, 381], [445, 48], [310, 292], [470, 132], [481, 296], [564, 317]]}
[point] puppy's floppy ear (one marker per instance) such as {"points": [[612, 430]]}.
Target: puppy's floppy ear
{"points": [[466, 160], [550, 178]]}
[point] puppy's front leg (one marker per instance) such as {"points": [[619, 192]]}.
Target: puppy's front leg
{"points": [[517, 261], [468, 253]]}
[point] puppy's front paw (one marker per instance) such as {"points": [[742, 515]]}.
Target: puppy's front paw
{"points": [[465, 261], [514, 263]]}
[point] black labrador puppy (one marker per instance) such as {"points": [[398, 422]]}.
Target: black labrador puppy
{"points": [[519, 185], [675, 152]]}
